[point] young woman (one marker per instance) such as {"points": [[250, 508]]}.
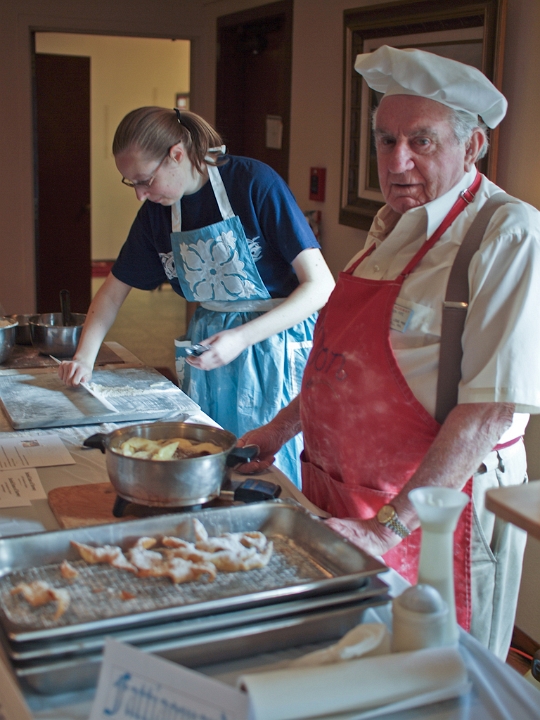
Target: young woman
{"points": [[227, 234]]}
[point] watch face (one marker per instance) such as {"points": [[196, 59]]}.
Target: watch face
{"points": [[385, 514]]}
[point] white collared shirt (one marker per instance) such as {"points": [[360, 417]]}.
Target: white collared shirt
{"points": [[501, 340]]}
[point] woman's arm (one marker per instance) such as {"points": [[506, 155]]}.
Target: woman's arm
{"points": [[101, 315], [316, 284]]}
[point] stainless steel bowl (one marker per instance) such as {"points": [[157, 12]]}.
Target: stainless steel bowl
{"points": [[7, 337], [22, 334], [50, 337], [182, 482]]}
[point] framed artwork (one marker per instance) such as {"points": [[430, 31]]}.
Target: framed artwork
{"points": [[470, 31]]}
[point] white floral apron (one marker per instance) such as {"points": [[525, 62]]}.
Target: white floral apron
{"points": [[215, 268]]}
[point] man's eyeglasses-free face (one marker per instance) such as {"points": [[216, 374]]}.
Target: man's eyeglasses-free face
{"points": [[145, 183]]}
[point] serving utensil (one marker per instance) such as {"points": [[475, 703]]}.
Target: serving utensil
{"points": [[65, 306]]}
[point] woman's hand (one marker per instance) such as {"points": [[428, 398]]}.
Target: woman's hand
{"points": [[225, 346], [73, 372], [369, 535], [101, 315]]}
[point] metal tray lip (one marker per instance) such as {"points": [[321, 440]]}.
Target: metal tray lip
{"points": [[376, 589], [251, 629], [137, 527]]}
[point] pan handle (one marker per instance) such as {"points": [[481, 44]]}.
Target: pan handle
{"points": [[96, 441], [242, 454]]}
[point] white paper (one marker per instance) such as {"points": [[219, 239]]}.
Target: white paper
{"points": [[274, 131], [11, 493], [356, 688], [134, 684], [37, 451], [20, 487]]}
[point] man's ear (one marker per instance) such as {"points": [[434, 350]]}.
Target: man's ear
{"points": [[177, 152], [473, 148]]}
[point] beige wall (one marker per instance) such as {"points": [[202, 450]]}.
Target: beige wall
{"points": [[125, 73], [317, 96], [518, 174], [316, 128]]}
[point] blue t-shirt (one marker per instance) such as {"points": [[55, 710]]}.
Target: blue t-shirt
{"points": [[275, 227]]}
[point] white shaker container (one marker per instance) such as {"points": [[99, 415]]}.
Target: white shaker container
{"points": [[420, 617]]}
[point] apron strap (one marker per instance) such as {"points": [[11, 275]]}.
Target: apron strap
{"points": [[455, 308], [220, 193], [465, 198]]}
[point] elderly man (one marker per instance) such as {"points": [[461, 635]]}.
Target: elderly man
{"points": [[372, 390]]}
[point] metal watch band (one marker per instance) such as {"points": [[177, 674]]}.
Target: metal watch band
{"points": [[398, 527]]}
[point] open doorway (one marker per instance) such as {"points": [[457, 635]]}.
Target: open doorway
{"points": [[124, 73]]}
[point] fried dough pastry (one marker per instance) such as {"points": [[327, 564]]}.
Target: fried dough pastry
{"points": [[170, 449], [68, 571], [227, 541], [184, 561], [229, 552], [225, 560], [152, 564], [111, 554], [40, 593]]}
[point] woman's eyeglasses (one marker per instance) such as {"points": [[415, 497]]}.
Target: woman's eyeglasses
{"points": [[145, 183]]}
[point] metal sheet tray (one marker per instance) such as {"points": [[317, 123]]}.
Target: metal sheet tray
{"points": [[52, 677], [68, 648], [309, 559]]}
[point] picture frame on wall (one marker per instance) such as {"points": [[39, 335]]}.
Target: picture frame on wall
{"points": [[470, 31]]}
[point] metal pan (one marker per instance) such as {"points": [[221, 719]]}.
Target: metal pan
{"points": [[50, 650], [322, 625], [309, 560], [170, 483]]}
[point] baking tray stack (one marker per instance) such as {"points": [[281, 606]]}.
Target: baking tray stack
{"points": [[316, 587]]}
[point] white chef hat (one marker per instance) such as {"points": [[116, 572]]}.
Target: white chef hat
{"points": [[416, 72]]}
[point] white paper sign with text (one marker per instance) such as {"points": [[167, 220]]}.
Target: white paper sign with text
{"points": [[135, 684], [39, 451], [19, 487]]}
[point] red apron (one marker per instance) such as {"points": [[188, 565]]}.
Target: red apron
{"points": [[365, 433]]}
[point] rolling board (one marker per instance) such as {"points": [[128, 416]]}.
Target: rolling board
{"points": [[41, 400]]}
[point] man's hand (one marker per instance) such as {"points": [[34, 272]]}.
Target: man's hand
{"points": [[271, 437], [369, 535], [269, 442]]}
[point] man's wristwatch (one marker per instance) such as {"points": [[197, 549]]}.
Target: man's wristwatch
{"points": [[388, 517]]}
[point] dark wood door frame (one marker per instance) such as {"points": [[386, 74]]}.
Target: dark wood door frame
{"points": [[62, 180], [241, 37]]}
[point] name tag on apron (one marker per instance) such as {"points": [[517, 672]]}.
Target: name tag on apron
{"points": [[401, 317]]}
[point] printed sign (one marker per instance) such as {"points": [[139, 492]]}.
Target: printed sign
{"points": [[134, 684]]}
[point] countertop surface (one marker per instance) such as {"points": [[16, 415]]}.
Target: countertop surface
{"points": [[519, 505]]}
